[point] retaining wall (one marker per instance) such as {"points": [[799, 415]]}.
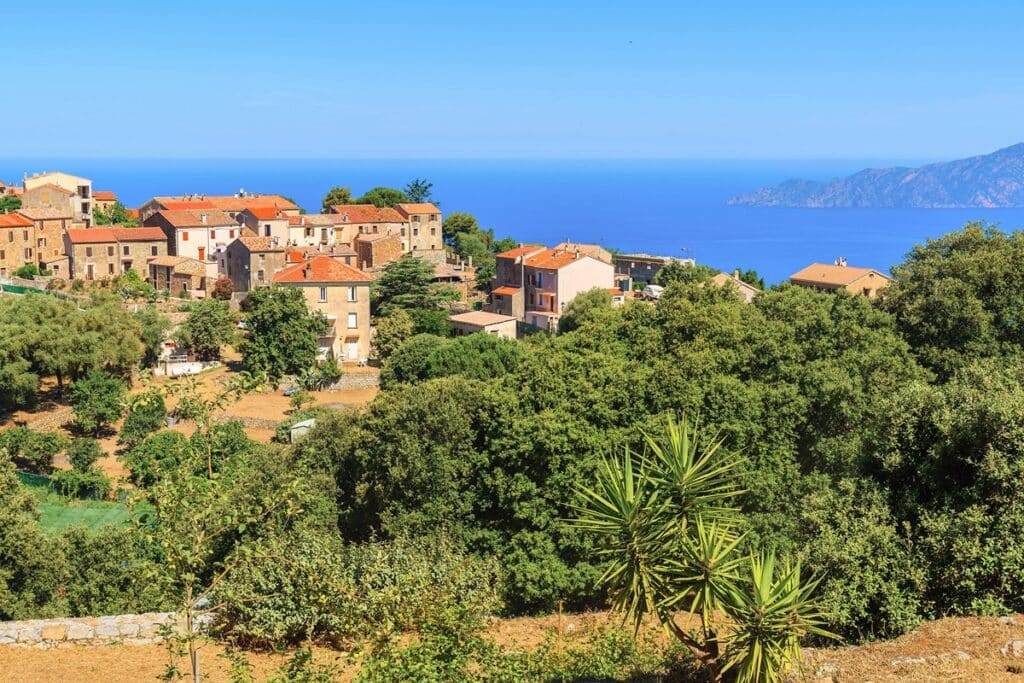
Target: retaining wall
{"points": [[131, 629]]}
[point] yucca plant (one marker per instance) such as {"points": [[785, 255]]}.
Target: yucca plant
{"points": [[666, 521]]}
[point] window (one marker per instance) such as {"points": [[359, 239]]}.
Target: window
{"points": [[3, 255], [323, 295], [42, 243], [433, 217], [415, 219], [10, 236], [266, 230], [153, 251], [231, 234], [110, 250], [415, 232], [184, 236], [262, 256], [259, 276], [88, 251], [125, 250], [351, 293], [353, 322], [433, 232], [403, 231], [110, 268]]}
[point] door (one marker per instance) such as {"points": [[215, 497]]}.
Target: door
{"points": [[353, 350], [202, 253], [88, 272]]}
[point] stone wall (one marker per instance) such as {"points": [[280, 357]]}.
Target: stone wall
{"points": [[132, 629], [356, 380], [53, 420]]}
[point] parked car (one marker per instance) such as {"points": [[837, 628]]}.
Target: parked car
{"points": [[292, 389], [653, 292]]}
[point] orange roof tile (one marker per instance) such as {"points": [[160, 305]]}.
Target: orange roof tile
{"points": [[553, 259], [506, 291], [194, 219], [521, 251], [265, 213], [104, 195], [185, 205], [138, 234], [91, 235], [366, 213], [422, 207], [227, 202], [14, 220], [324, 219], [320, 269], [480, 318], [254, 243], [831, 275]]}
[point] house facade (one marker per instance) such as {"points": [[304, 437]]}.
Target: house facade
{"points": [[233, 205], [342, 294], [51, 223], [97, 253], [495, 324], [535, 284], [643, 267], [198, 235], [251, 262], [365, 219], [56, 189], [423, 224], [746, 292], [374, 251], [178, 273], [17, 242], [831, 278]]}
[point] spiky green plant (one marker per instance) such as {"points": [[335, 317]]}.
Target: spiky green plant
{"points": [[667, 523]]}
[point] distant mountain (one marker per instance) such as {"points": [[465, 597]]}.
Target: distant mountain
{"points": [[989, 181]]}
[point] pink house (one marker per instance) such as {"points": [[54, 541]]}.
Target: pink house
{"points": [[535, 284]]}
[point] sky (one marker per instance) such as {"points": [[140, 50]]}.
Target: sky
{"points": [[486, 79]]}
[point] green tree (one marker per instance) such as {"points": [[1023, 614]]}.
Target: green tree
{"points": [[419, 190], [154, 326], [147, 413], [458, 223], [392, 330], [116, 214], [582, 306], [668, 523], [751, 277], [684, 273], [957, 297], [31, 450], [382, 197], [209, 326], [98, 400], [282, 331], [407, 283], [83, 453], [9, 203], [336, 196], [29, 271]]}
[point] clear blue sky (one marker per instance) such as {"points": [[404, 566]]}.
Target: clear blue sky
{"points": [[525, 79]]}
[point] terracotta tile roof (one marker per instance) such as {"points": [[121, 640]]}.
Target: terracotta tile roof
{"points": [[138, 234], [553, 259], [506, 291], [104, 195], [423, 207], [265, 213], [193, 219], [480, 318], [321, 269], [167, 260], [228, 203], [14, 220], [45, 212], [186, 205], [832, 276], [254, 243], [366, 213], [521, 251], [322, 219], [91, 235]]}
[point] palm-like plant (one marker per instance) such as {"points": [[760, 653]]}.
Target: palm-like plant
{"points": [[666, 521]]}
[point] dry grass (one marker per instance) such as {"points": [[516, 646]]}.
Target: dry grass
{"points": [[965, 649]]}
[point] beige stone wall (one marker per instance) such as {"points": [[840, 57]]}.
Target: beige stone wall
{"points": [[137, 629], [138, 255], [338, 306], [101, 256], [13, 245], [52, 231], [424, 232]]}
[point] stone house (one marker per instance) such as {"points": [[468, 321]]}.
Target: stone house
{"points": [[594, 250], [251, 262], [103, 199], [746, 292], [51, 223], [643, 267], [199, 235], [366, 219], [831, 278], [266, 222], [535, 284], [374, 251], [177, 273], [495, 324], [342, 294], [59, 190], [424, 227], [314, 230], [17, 242], [97, 253]]}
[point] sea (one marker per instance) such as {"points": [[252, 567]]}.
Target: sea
{"points": [[672, 208]]}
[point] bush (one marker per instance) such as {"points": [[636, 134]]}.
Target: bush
{"points": [[77, 285], [31, 450], [223, 288], [82, 453], [284, 427], [89, 483], [157, 453], [311, 587], [29, 271], [98, 401], [147, 414]]}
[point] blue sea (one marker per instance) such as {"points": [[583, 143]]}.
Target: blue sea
{"points": [[663, 207]]}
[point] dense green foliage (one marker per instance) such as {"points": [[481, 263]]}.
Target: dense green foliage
{"points": [[463, 235], [407, 284], [31, 450], [147, 413], [282, 331], [474, 356], [98, 400], [9, 203], [115, 214], [209, 326]]}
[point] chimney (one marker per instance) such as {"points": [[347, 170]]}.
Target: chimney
{"points": [[308, 273], [736, 273]]}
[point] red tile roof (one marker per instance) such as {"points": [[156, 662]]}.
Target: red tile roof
{"points": [[366, 213], [14, 220], [422, 207], [321, 269], [319, 219], [254, 243], [51, 186], [553, 259], [194, 219], [228, 203], [506, 291], [104, 195], [265, 213], [91, 235], [520, 251], [185, 205]]}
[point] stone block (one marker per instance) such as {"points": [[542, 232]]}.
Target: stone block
{"points": [[107, 630], [128, 630], [79, 631], [54, 631]]}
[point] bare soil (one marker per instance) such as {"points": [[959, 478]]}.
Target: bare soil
{"points": [[963, 649]]}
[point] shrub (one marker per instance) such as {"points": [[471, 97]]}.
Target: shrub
{"points": [[223, 288], [156, 454], [300, 399], [77, 285], [98, 401], [82, 453], [89, 483], [146, 414], [31, 450], [284, 427]]}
